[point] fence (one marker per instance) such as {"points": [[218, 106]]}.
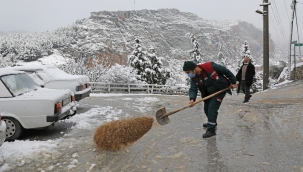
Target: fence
{"points": [[98, 87]]}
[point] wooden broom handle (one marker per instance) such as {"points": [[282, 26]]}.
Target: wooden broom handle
{"points": [[205, 98]]}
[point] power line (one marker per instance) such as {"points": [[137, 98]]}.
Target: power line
{"points": [[276, 16], [276, 29], [279, 36], [286, 11], [280, 19]]}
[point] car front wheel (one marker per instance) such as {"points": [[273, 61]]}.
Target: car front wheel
{"points": [[13, 129]]}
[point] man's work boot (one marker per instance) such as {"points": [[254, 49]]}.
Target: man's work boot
{"points": [[245, 101], [209, 133]]}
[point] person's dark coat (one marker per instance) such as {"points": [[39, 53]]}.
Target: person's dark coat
{"points": [[249, 75], [209, 86]]}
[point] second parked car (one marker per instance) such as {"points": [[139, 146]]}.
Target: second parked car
{"points": [[25, 105], [50, 76]]}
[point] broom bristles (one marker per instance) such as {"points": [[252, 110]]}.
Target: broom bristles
{"points": [[116, 135]]}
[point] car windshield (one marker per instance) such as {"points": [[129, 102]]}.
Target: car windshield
{"points": [[19, 84]]}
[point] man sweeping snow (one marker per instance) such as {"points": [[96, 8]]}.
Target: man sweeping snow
{"points": [[209, 78]]}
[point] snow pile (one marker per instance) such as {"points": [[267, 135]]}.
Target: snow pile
{"points": [[19, 153], [88, 120]]}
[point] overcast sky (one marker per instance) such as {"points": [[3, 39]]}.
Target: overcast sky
{"points": [[43, 15]]}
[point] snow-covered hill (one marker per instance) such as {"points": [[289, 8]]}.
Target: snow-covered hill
{"points": [[112, 34]]}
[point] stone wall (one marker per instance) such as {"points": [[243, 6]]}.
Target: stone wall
{"points": [[297, 72]]}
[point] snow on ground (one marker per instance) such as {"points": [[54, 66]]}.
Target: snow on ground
{"points": [[54, 59], [115, 95], [280, 84], [140, 104], [21, 152], [88, 120]]}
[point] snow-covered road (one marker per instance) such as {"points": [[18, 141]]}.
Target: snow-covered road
{"points": [[264, 135]]}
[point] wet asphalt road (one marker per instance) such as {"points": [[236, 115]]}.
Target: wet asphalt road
{"points": [[264, 135]]}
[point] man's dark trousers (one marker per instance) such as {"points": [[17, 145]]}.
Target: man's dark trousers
{"points": [[246, 90], [211, 107]]}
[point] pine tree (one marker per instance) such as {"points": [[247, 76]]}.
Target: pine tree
{"points": [[221, 58], [195, 53], [244, 53], [148, 65]]}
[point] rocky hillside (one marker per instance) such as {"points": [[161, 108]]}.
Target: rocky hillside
{"points": [[112, 34]]}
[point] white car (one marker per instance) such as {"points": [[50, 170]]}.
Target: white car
{"points": [[50, 76], [25, 105], [2, 131]]}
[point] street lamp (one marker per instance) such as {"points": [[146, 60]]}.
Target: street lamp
{"points": [[259, 12]]}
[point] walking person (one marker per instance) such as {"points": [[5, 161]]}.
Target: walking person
{"points": [[209, 78], [245, 78]]}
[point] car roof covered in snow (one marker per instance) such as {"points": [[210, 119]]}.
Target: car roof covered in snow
{"points": [[5, 71], [33, 67], [52, 73]]}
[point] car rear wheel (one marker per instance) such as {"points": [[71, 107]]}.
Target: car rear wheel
{"points": [[13, 129]]}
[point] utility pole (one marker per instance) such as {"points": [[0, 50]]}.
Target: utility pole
{"points": [[291, 30], [295, 62], [265, 46], [265, 14]]}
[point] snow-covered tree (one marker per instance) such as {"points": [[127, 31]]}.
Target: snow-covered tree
{"points": [[94, 69], [275, 70], [4, 62], [177, 75], [148, 65], [245, 52], [257, 82], [120, 74], [195, 53], [221, 59]]}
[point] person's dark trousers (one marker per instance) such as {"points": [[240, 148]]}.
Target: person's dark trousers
{"points": [[211, 107], [246, 90]]}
